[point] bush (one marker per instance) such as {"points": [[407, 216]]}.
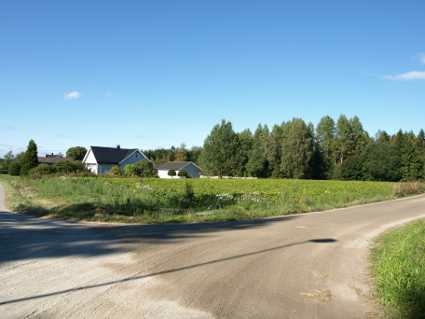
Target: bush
{"points": [[409, 188], [4, 167], [130, 170], [68, 167], [171, 172], [41, 170], [15, 168], [183, 174], [141, 169], [146, 168], [115, 171], [60, 168]]}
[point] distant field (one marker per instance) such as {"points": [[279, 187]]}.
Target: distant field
{"points": [[156, 200], [399, 270]]}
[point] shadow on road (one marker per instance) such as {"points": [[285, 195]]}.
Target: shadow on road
{"points": [[27, 237], [169, 271]]}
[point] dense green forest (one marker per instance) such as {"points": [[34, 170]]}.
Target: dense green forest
{"points": [[340, 149], [334, 149]]}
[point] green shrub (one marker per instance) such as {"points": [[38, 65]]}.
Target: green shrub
{"points": [[69, 167], [141, 169], [115, 171], [171, 172], [61, 168], [15, 168], [41, 170], [130, 170], [76, 153], [146, 169], [183, 174]]}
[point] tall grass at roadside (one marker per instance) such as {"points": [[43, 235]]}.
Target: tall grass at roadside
{"points": [[153, 200], [399, 270]]}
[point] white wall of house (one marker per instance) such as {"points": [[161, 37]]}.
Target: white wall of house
{"points": [[90, 162], [192, 170], [164, 174], [92, 168]]}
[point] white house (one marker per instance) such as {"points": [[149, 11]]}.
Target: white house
{"points": [[99, 160], [192, 170]]}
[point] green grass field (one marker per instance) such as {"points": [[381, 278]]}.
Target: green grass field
{"points": [[156, 200], [399, 270]]}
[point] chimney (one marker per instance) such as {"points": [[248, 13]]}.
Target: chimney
{"points": [[118, 147]]}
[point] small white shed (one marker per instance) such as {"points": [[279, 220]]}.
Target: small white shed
{"points": [[190, 168]]}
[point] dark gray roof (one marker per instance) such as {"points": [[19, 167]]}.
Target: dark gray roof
{"points": [[111, 155], [51, 159], [176, 165]]}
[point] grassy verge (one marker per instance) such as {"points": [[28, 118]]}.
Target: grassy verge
{"points": [[156, 200], [399, 269]]}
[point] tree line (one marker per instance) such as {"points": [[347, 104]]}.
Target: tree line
{"points": [[181, 153], [340, 149], [27, 163]]}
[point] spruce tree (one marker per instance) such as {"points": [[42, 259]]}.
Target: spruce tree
{"points": [[411, 159], [30, 158], [421, 146]]}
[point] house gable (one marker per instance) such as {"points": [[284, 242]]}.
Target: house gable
{"points": [[89, 158], [192, 170], [90, 162], [133, 157]]}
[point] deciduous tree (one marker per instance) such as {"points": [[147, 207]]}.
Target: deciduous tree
{"points": [[220, 154], [76, 153], [297, 149]]}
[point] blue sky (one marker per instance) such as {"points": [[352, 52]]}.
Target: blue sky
{"points": [[158, 73]]}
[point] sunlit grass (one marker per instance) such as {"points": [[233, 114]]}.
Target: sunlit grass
{"points": [[399, 270], [156, 200]]}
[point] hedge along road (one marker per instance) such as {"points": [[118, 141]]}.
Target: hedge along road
{"points": [[301, 266]]}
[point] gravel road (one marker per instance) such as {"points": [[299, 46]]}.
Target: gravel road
{"points": [[305, 266]]}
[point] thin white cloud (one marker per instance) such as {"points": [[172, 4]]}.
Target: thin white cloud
{"points": [[407, 76], [421, 57], [72, 95]]}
